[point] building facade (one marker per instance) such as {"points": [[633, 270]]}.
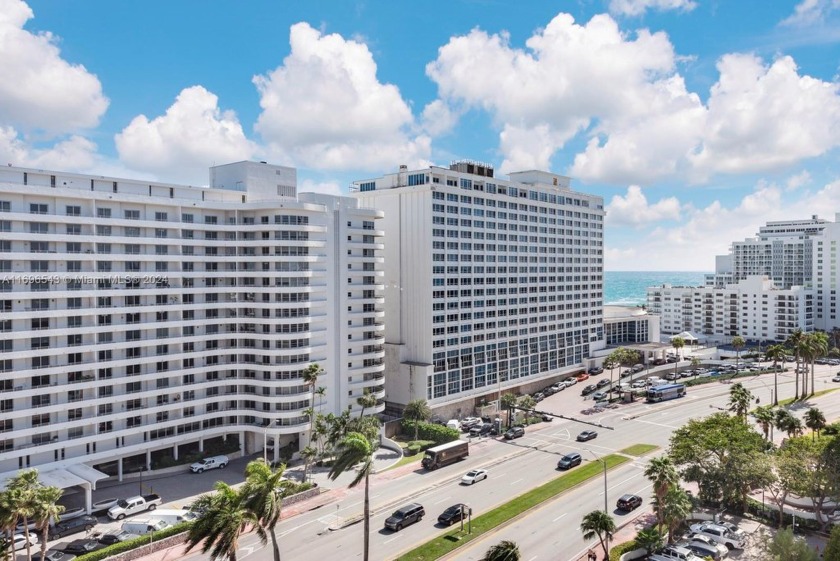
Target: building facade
{"points": [[489, 283], [753, 308], [142, 318]]}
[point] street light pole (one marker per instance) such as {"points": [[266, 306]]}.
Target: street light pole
{"points": [[606, 502]]}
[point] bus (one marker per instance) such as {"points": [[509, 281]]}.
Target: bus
{"points": [[668, 391]]}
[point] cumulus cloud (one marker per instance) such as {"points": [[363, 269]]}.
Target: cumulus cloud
{"points": [[75, 153], [710, 230], [325, 108], [639, 7], [623, 92], [811, 12], [193, 135], [635, 210], [764, 117], [40, 90], [438, 118], [798, 180]]}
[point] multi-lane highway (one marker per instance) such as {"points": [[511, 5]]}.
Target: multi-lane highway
{"points": [[548, 532]]}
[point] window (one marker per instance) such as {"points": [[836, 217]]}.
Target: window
{"points": [[37, 208], [132, 215], [73, 210], [103, 212]]}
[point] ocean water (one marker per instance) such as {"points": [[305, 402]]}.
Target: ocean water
{"points": [[627, 288]]}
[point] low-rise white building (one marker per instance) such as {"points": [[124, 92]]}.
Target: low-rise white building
{"points": [[753, 308]]}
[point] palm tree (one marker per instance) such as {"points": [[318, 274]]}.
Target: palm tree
{"points": [[23, 491], [598, 523], [225, 519], [310, 378], [764, 416], [365, 401], [47, 512], [528, 403], [738, 344], [649, 539], [678, 343], [739, 400], [776, 353], [508, 403], [263, 491], [663, 474], [8, 520], [417, 410], [795, 340], [356, 451], [321, 392], [819, 348], [309, 453], [503, 551], [673, 509], [814, 420]]}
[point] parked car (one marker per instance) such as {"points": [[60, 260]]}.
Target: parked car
{"points": [[547, 418], [836, 378], [700, 550], [628, 502], [74, 526], [19, 542], [214, 462], [52, 555], [674, 553], [80, 547], [714, 549], [405, 516], [586, 435], [582, 377], [602, 383], [720, 534], [539, 396], [474, 476], [514, 432], [115, 536], [588, 389], [637, 384], [470, 422], [595, 371], [672, 376], [559, 387], [569, 461], [599, 396], [638, 367], [570, 382], [482, 430], [453, 514]]}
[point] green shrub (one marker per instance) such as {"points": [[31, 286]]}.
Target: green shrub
{"points": [[140, 541], [422, 444], [617, 551], [438, 434], [411, 450]]}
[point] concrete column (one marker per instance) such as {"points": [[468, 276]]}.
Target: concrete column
{"points": [[201, 445], [88, 498], [148, 460], [243, 444], [175, 451], [120, 469]]}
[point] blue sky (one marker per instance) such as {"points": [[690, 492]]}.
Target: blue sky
{"points": [[696, 120]]}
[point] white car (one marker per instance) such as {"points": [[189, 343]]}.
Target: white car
{"points": [[19, 541], [639, 384], [570, 382], [674, 553], [559, 387], [472, 476], [836, 378], [700, 539], [720, 534]]}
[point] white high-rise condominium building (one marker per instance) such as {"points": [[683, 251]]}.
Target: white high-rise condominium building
{"points": [[490, 284], [753, 308], [140, 318]]}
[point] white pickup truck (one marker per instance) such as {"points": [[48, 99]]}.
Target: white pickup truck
{"points": [[133, 505], [214, 462]]}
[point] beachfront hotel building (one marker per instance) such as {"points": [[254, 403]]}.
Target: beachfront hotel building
{"points": [[753, 308], [490, 284], [142, 318]]}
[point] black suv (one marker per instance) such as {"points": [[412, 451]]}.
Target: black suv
{"points": [[514, 432], [569, 461], [453, 514], [80, 547], [405, 516], [629, 502], [73, 526]]}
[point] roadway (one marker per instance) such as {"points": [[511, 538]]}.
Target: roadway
{"points": [[514, 467]]}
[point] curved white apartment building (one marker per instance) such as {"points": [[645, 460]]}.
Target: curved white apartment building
{"points": [[138, 317]]}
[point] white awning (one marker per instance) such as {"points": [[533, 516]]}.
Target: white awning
{"points": [[87, 473]]}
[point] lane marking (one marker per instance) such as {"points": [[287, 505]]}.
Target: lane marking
{"points": [[517, 481], [443, 500], [559, 517], [392, 539]]}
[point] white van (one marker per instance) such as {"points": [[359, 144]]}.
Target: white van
{"points": [[174, 516], [453, 424], [144, 526]]}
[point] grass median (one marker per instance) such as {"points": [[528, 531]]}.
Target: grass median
{"points": [[639, 449], [451, 540]]}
